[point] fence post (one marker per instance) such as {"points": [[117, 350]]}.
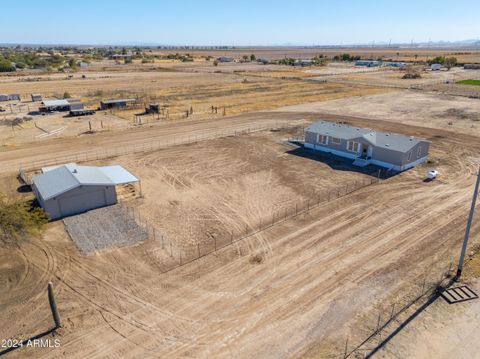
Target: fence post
{"points": [[53, 306], [198, 249], [346, 349]]}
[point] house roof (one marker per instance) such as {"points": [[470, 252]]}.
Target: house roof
{"points": [[392, 141], [55, 103], [57, 180]]}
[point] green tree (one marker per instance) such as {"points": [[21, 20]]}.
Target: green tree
{"points": [[450, 62], [253, 57], [6, 65], [66, 94]]}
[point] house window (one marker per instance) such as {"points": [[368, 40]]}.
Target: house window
{"points": [[336, 141], [409, 157], [419, 152], [353, 146], [323, 139]]}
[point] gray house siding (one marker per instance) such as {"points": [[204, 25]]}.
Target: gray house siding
{"points": [[382, 156], [78, 200]]}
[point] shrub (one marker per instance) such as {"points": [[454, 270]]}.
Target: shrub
{"points": [[19, 219]]}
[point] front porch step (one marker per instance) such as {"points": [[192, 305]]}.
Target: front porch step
{"points": [[360, 162]]}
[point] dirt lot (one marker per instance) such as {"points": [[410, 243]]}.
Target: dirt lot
{"points": [[228, 184], [231, 88], [299, 283], [452, 113]]}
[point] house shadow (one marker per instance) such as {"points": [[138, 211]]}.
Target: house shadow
{"points": [[338, 163]]}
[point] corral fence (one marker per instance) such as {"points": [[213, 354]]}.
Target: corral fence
{"points": [[144, 147], [183, 254]]}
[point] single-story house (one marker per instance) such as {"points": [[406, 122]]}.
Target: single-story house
{"points": [[366, 146], [120, 103], [70, 189]]}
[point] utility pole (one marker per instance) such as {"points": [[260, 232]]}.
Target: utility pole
{"points": [[467, 230]]}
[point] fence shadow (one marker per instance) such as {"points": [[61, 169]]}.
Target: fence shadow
{"points": [[26, 341], [432, 299]]}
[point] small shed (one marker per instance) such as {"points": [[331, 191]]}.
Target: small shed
{"points": [[36, 97], [55, 105], [71, 189], [153, 108], [436, 67], [4, 97], [120, 103]]}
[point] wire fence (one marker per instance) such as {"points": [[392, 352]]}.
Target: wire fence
{"points": [[425, 289], [183, 254], [154, 145]]}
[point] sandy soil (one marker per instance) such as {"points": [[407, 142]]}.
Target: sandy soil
{"points": [[315, 273], [451, 113], [228, 184]]}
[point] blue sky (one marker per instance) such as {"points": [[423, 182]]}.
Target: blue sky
{"points": [[240, 23]]}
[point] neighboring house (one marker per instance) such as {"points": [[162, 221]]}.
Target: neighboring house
{"points": [[368, 63], [436, 67], [365, 146], [83, 65], [303, 63], [226, 59], [71, 189]]}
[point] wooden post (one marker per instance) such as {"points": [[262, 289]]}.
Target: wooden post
{"points": [[53, 306], [346, 349]]}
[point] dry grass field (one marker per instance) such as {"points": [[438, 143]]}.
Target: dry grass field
{"points": [[296, 289]]}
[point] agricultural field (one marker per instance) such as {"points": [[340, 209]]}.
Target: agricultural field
{"points": [[469, 82], [295, 254]]}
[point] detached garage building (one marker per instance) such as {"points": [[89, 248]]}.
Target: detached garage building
{"points": [[71, 189]]}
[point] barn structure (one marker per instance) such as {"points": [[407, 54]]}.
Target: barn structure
{"points": [[366, 146], [71, 189], [120, 103], [61, 105]]}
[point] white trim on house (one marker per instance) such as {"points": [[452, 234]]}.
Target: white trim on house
{"points": [[330, 150], [323, 139], [354, 144], [352, 156]]}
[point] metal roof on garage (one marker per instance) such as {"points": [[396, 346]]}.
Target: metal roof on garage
{"points": [[55, 103], [118, 174], [55, 181]]}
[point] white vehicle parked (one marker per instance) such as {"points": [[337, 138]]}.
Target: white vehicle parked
{"points": [[432, 174]]}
